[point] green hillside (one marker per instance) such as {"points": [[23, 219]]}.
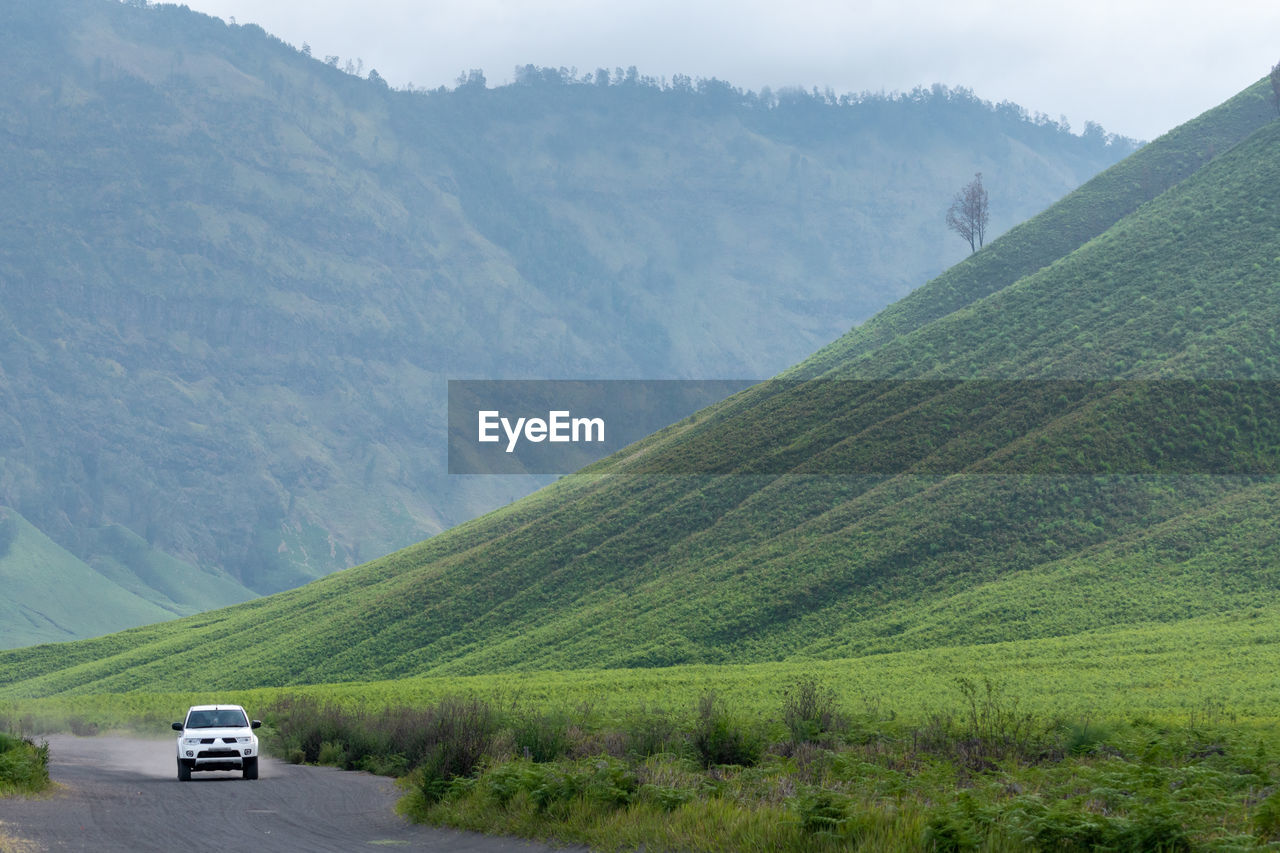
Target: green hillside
{"points": [[234, 279], [835, 516], [51, 594]]}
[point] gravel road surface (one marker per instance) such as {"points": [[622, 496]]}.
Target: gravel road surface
{"points": [[122, 794]]}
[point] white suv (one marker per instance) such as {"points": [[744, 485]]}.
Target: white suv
{"points": [[217, 737]]}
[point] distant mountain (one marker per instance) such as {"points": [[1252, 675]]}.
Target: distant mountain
{"points": [[1077, 427], [234, 279]]}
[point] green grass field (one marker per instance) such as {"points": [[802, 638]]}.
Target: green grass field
{"points": [[1230, 663], [1148, 736]]}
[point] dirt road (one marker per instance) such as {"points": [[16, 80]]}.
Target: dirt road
{"points": [[122, 794]]}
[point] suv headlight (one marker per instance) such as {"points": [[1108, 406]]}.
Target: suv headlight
{"points": [[245, 739], [190, 740]]}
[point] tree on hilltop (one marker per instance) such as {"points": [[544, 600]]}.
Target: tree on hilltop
{"points": [[968, 213], [1275, 86]]}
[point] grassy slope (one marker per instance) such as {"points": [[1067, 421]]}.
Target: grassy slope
{"points": [[1062, 228], [47, 589], [1170, 671], [628, 565], [126, 558]]}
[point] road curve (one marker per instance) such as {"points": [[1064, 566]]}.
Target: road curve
{"points": [[122, 794]]}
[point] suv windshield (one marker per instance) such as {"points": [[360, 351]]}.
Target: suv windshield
{"points": [[227, 719]]}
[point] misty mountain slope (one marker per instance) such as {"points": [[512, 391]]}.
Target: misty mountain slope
{"points": [[234, 280], [50, 593], [957, 483]]}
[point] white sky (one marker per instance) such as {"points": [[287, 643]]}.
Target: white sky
{"points": [[1138, 67]]}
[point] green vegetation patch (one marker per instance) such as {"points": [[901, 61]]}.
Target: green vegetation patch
{"points": [[973, 770], [1166, 671], [24, 766], [891, 789]]}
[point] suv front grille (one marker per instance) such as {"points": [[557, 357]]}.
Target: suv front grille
{"points": [[218, 753]]}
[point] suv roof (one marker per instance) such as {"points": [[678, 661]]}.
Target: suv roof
{"points": [[212, 708]]}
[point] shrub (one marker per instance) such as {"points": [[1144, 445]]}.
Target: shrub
{"points": [[304, 725], [80, 727], [441, 741], [612, 782], [810, 712], [666, 797], [1266, 818], [332, 754], [24, 767], [541, 737], [550, 785], [1085, 737], [821, 811], [1066, 827], [650, 734], [718, 739], [503, 782], [989, 728], [602, 781], [950, 831], [460, 731]]}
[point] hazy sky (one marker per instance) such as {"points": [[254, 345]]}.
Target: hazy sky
{"points": [[1138, 67]]}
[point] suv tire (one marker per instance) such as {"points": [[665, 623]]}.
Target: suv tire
{"points": [[184, 771], [251, 768]]}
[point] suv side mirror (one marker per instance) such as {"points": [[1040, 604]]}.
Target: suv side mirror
{"points": [[256, 724], [177, 727]]}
